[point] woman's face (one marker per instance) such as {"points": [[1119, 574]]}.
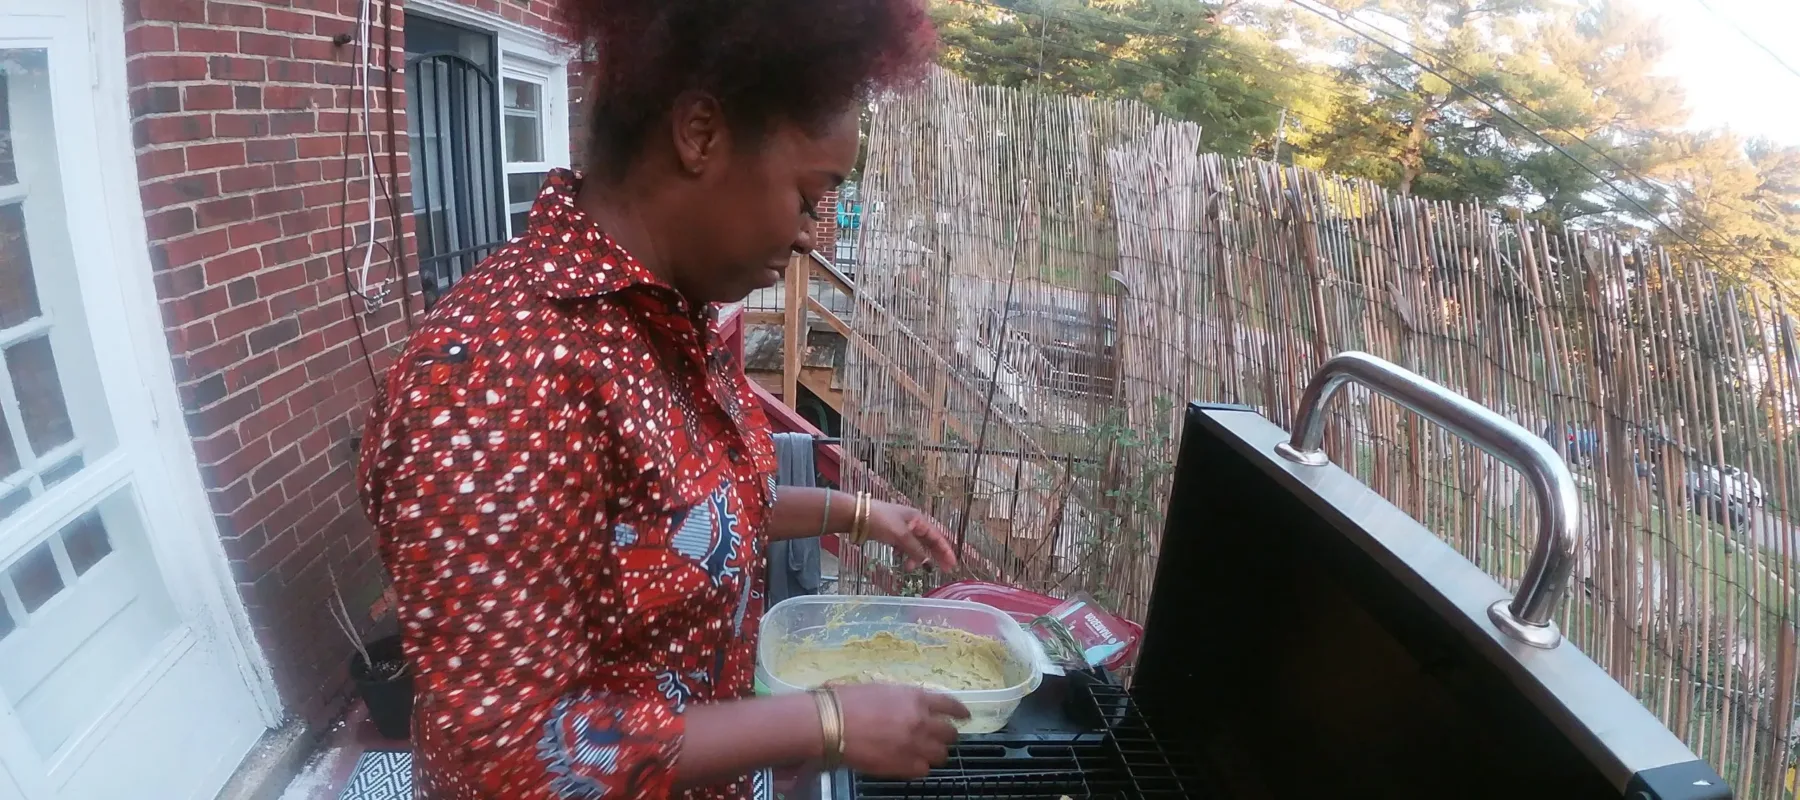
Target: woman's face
{"points": [[756, 206]]}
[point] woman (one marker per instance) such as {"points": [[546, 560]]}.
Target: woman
{"points": [[570, 478]]}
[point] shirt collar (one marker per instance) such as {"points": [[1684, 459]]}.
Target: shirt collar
{"points": [[573, 257]]}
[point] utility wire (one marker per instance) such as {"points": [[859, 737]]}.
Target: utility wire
{"points": [[1748, 38], [1661, 189], [1271, 68], [1628, 197], [1658, 189], [1150, 70]]}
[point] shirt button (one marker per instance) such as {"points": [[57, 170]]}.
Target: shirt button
{"points": [[735, 456]]}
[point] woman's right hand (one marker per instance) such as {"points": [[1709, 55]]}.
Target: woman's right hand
{"points": [[897, 731]]}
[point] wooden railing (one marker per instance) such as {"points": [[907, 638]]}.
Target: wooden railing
{"points": [[832, 464]]}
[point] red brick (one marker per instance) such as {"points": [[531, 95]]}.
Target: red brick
{"points": [[237, 68], [194, 248], [207, 97], [169, 130], [292, 71], [267, 150], [244, 16], [302, 479], [263, 44], [292, 123], [254, 233], [290, 21], [214, 155], [294, 173], [242, 126], [292, 97], [163, 67], [192, 337], [247, 374], [281, 385], [149, 39], [200, 305], [301, 223], [206, 40], [320, 146], [287, 251], [167, 224], [224, 211], [166, 10], [160, 163], [247, 179], [231, 266], [241, 320], [281, 279], [315, 49]]}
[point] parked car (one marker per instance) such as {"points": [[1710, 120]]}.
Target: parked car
{"points": [[1717, 497], [1742, 485]]}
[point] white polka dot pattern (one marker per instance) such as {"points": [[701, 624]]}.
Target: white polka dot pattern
{"points": [[571, 480]]}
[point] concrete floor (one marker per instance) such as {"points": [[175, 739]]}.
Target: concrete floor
{"points": [[327, 772]]}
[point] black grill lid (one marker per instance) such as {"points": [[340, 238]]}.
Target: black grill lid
{"points": [[1305, 635]]}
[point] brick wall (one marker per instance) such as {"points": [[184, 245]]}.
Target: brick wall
{"points": [[240, 111], [825, 230]]}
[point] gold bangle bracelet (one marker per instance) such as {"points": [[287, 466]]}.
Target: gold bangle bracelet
{"points": [[859, 529], [831, 725]]}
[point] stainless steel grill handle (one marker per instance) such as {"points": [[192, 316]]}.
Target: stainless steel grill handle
{"points": [[1526, 617]]}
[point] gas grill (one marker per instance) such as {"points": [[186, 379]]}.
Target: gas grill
{"points": [[1307, 639]]}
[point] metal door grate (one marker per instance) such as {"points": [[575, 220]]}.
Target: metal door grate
{"points": [[458, 184]]}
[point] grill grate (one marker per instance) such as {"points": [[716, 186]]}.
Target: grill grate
{"points": [[1152, 769], [1080, 768], [1125, 762]]}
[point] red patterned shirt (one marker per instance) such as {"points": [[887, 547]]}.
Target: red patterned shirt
{"points": [[570, 480]]}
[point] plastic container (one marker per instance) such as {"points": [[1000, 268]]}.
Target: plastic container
{"points": [[1027, 606], [827, 619]]}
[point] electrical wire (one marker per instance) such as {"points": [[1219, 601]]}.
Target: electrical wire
{"points": [[1267, 67], [1754, 42], [1152, 71], [1660, 190], [1628, 197]]}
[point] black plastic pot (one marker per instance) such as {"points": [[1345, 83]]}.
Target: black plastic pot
{"points": [[390, 700]]}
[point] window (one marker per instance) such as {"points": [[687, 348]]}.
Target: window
{"points": [[534, 129], [52, 414]]}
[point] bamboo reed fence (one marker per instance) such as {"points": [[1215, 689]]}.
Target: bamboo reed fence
{"points": [[1044, 282]]}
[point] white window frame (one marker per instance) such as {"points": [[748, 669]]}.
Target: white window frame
{"points": [[525, 54], [153, 454]]}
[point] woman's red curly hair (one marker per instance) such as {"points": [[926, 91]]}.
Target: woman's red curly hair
{"points": [[800, 61]]}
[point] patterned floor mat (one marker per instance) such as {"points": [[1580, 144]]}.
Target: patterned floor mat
{"points": [[380, 776]]}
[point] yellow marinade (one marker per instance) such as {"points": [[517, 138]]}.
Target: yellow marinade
{"points": [[955, 661]]}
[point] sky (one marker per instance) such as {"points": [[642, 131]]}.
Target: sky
{"points": [[1729, 82]]}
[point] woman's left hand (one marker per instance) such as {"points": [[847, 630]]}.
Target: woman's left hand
{"points": [[913, 533]]}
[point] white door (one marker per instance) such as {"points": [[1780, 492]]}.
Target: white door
{"points": [[116, 681]]}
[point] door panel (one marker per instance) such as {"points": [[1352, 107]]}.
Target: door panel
{"points": [[109, 687]]}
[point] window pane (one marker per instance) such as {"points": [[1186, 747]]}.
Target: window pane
{"points": [[523, 187], [85, 540], [33, 370], [14, 501], [18, 292], [521, 95], [64, 471], [6, 623], [9, 171], [9, 455], [35, 577], [524, 141], [51, 394]]}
